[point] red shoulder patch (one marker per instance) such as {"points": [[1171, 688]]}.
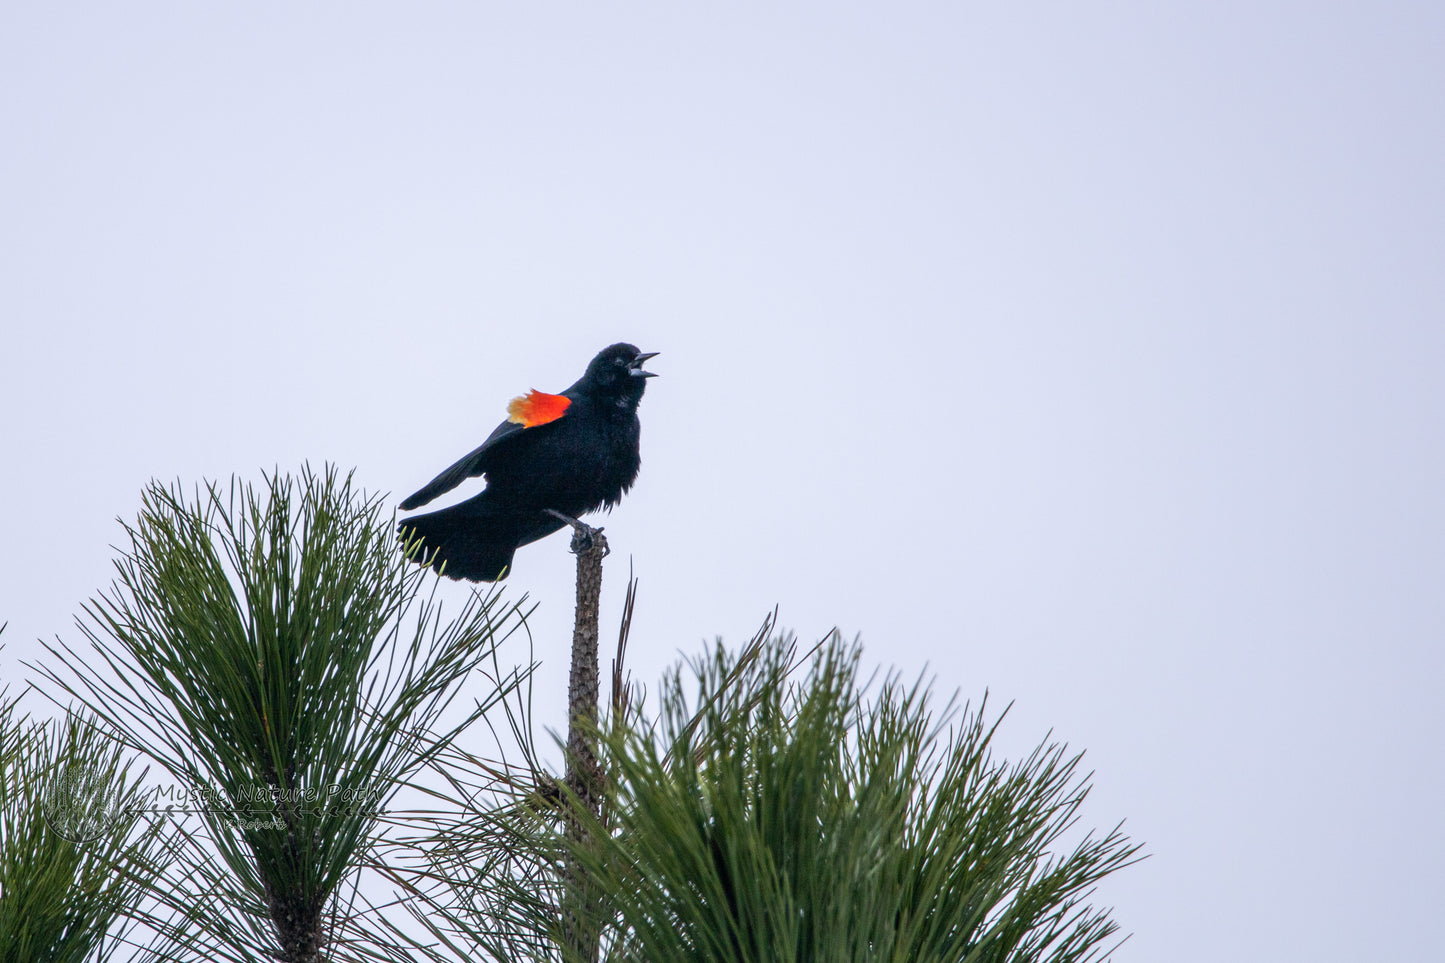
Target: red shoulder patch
{"points": [[537, 408]]}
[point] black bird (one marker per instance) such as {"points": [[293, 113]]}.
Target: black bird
{"points": [[573, 453]]}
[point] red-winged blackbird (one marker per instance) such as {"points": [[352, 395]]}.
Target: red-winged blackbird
{"points": [[573, 453]]}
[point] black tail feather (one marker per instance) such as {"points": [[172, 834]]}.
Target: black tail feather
{"points": [[458, 546], [473, 540]]}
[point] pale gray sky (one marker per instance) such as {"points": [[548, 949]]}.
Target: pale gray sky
{"points": [[1089, 353]]}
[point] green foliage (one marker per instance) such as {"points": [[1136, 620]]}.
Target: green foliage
{"points": [[75, 857], [275, 654], [768, 820], [768, 814]]}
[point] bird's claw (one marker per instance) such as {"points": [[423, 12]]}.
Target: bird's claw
{"points": [[583, 538], [583, 535]]}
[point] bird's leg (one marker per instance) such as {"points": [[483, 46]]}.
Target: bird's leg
{"points": [[582, 533]]}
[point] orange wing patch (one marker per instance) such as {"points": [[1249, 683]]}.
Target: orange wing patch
{"points": [[537, 408]]}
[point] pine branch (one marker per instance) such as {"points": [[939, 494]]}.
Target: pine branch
{"points": [[580, 935]]}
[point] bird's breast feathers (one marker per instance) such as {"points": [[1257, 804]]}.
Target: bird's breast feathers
{"points": [[537, 408]]}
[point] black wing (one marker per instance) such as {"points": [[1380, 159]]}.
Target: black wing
{"points": [[470, 466]]}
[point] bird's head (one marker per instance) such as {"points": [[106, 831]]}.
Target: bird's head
{"points": [[616, 374]]}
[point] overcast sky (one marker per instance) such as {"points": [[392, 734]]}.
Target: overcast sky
{"points": [[1087, 353]]}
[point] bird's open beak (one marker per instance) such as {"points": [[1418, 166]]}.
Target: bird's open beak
{"points": [[635, 369]]}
